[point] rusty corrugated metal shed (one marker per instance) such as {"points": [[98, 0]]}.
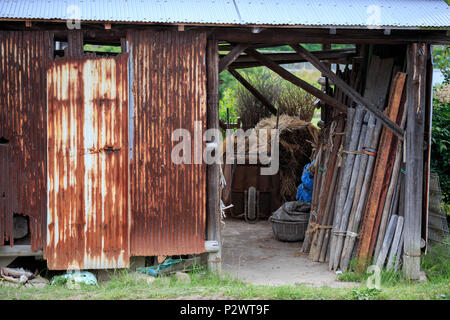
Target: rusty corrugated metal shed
{"points": [[350, 13], [168, 201], [24, 57], [88, 163]]}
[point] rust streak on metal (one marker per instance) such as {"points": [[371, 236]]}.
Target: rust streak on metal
{"points": [[23, 60], [168, 201], [88, 163]]}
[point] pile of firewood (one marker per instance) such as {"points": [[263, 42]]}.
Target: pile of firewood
{"points": [[16, 275]]}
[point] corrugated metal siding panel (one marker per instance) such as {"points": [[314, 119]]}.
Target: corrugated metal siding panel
{"points": [[156, 11], [88, 163], [24, 57], [168, 201]]}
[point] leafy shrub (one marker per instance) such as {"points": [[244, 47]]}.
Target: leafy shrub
{"points": [[296, 102], [289, 98], [249, 109], [228, 101], [440, 142], [436, 263], [442, 61]]}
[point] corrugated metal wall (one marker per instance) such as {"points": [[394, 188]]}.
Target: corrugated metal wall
{"points": [[168, 201], [24, 57], [88, 163]]}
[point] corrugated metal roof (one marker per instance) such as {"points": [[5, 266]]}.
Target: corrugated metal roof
{"points": [[355, 13], [150, 11], [396, 13]]}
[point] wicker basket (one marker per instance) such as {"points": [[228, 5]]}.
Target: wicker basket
{"points": [[290, 231]]}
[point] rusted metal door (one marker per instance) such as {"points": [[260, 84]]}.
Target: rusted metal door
{"points": [[168, 201], [87, 163]]}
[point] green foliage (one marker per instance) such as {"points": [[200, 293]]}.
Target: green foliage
{"points": [[228, 101], [59, 280], [387, 277], [440, 144], [441, 59], [226, 81], [365, 293], [296, 102], [292, 100], [248, 108], [97, 48], [436, 263]]}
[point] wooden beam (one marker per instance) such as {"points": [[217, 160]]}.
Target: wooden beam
{"points": [[254, 92], [213, 230], [231, 56], [229, 47], [297, 81], [18, 250], [415, 105], [352, 93], [291, 36], [245, 61]]}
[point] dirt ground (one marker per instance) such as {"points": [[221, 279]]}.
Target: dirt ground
{"points": [[252, 253]]}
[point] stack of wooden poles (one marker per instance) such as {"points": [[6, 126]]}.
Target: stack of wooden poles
{"points": [[357, 205], [326, 171]]}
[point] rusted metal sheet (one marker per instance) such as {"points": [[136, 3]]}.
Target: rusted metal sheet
{"points": [[88, 211], [24, 57], [168, 201]]}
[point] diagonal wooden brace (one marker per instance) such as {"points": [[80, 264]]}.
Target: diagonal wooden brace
{"points": [[231, 56], [254, 92], [295, 80], [352, 93]]}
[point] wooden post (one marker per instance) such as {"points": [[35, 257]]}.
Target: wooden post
{"points": [[75, 43], [325, 111], [213, 231], [415, 104]]}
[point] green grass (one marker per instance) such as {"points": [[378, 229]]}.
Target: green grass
{"points": [[124, 285], [436, 264]]}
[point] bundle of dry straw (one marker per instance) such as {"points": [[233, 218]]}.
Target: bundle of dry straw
{"points": [[297, 141]]}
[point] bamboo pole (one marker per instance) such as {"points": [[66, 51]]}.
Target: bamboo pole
{"points": [[319, 234], [395, 244], [389, 197], [316, 191], [348, 160], [382, 170], [350, 196], [328, 180], [352, 235], [326, 238], [387, 241]]}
